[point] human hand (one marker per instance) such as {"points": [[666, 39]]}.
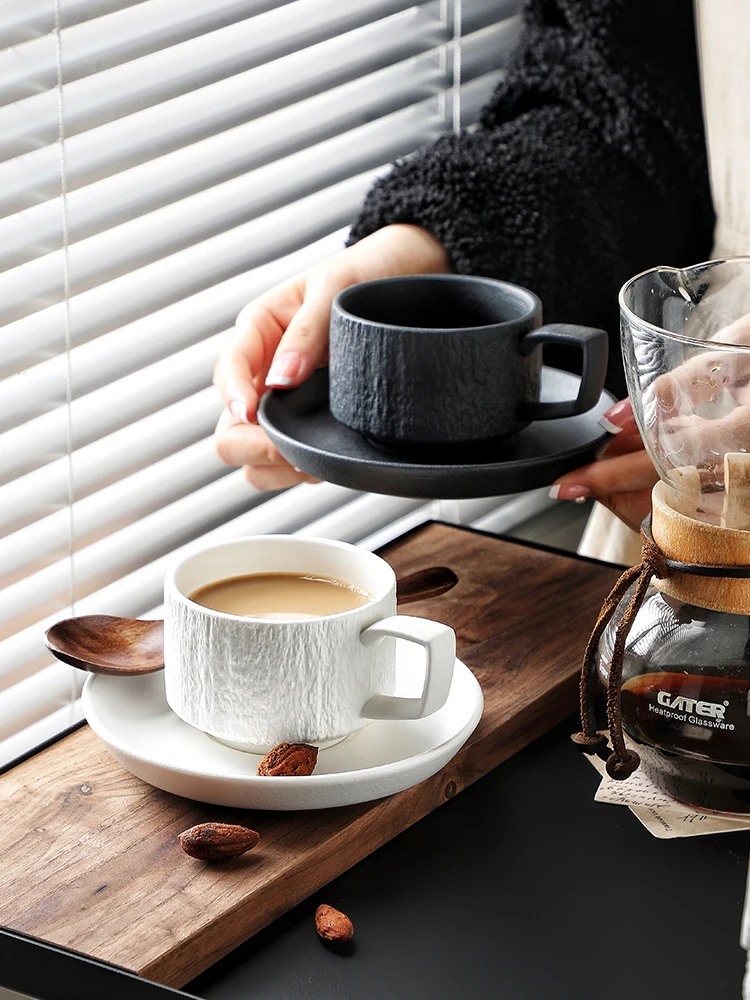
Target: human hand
{"points": [[700, 410], [282, 337], [695, 414], [623, 476]]}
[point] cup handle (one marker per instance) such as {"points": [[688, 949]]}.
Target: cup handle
{"points": [[595, 347], [439, 642]]}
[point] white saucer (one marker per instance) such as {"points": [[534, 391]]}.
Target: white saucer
{"points": [[131, 717]]}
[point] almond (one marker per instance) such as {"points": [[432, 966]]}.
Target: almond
{"points": [[216, 841], [332, 925], [289, 759]]}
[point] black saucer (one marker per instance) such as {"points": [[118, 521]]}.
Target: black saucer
{"points": [[300, 424]]}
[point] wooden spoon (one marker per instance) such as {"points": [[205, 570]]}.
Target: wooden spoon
{"points": [[430, 582], [105, 644]]}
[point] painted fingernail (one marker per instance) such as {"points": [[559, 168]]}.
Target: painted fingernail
{"points": [[569, 491], [608, 426], [285, 368], [239, 409], [616, 416]]}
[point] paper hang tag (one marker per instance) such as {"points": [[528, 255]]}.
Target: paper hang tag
{"points": [[663, 816]]}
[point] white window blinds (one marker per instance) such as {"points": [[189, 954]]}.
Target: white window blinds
{"points": [[162, 163]]}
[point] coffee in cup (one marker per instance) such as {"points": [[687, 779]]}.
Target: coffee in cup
{"points": [[281, 595], [448, 360], [312, 677]]}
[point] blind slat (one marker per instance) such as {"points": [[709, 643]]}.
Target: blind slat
{"points": [[360, 517], [117, 145], [466, 511], [169, 73], [113, 38], [183, 273], [159, 181], [151, 338], [116, 505], [46, 723], [34, 697], [109, 458], [514, 511], [229, 152], [20, 22], [240, 49], [135, 30], [26, 447], [150, 237]]}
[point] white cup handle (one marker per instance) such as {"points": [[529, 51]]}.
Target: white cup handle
{"points": [[439, 642]]}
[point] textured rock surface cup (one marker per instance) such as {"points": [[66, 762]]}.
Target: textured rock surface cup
{"points": [[255, 682], [445, 359]]}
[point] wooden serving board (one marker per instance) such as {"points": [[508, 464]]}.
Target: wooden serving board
{"points": [[90, 858]]}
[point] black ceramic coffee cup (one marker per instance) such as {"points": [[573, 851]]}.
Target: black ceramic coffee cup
{"points": [[442, 359]]}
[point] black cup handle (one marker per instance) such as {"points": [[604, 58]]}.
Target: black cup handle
{"points": [[595, 347]]}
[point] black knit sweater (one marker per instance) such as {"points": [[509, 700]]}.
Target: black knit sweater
{"points": [[588, 165]]}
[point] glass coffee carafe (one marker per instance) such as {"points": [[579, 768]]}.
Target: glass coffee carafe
{"points": [[685, 690]]}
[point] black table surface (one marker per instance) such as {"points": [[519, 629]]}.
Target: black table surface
{"points": [[520, 888]]}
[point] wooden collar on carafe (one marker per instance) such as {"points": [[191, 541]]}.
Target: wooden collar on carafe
{"points": [[686, 539]]}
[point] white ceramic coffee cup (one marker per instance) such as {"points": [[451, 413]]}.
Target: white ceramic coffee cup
{"points": [[256, 682]]}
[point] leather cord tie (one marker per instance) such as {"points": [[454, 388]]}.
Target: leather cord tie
{"points": [[621, 762]]}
